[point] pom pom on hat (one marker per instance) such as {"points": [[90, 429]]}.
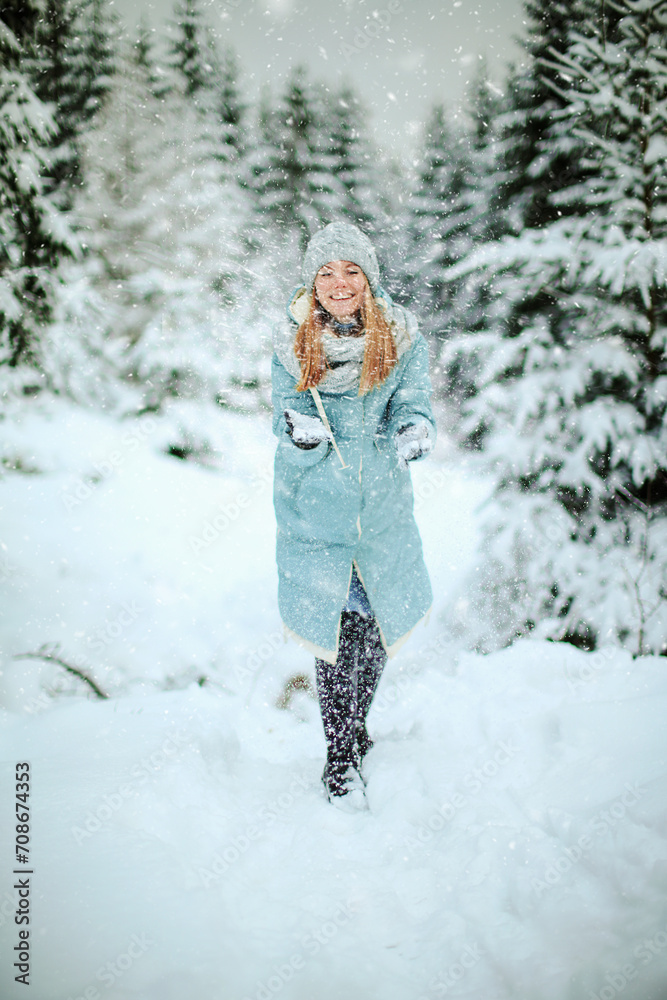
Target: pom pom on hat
{"points": [[340, 241]]}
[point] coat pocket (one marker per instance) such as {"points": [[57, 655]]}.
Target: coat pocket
{"points": [[303, 457]]}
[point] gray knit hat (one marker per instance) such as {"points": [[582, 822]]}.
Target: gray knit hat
{"points": [[340, 241]]}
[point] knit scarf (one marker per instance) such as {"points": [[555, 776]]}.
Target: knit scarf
{"points": [[346, 355]]}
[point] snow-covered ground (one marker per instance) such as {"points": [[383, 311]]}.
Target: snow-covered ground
{"points": [[516, 841]]}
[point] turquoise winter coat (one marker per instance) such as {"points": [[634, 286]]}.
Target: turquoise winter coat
{"points": [[329, 517]]}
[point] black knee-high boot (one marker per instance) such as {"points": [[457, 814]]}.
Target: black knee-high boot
{"points": [[370, 660], [345, 691]]}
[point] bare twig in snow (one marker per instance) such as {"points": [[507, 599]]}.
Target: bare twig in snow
{"points": [[43, 654]]}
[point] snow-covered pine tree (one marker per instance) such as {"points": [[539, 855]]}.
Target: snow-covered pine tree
{"points": [[204, 222], [94, 306], [354, 161], [572, 401], [71, 69], [34, 235], [57, 70], [192, 59], [433, 230], [100, 35], [451, 211], [260, 141], [531, 167], [485, 105], [166, 217], [477, 218], [527, 174], [530, 170], [230, 107], [144, 57], [190, 348], [271, 252], [123, 165], [363, 173], [210, 82], [294, 185]]}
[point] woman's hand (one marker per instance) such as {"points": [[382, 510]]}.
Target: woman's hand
{"points": [[412, 441], [306, 432]]}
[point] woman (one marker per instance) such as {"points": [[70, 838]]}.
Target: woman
{"points": [[351, 398]]}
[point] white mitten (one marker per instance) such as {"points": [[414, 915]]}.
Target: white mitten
{"points": [[411, 442], [306, 432]]}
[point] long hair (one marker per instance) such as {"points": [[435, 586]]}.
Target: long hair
{"points": [[380, 353]]}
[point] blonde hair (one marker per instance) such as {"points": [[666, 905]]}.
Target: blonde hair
{"points": [[380, 353]]}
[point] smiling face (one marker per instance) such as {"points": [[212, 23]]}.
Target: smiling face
{"points": [[339, 287]]}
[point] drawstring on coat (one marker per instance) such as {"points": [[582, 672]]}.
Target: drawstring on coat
{"points": [[325, 420]]}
